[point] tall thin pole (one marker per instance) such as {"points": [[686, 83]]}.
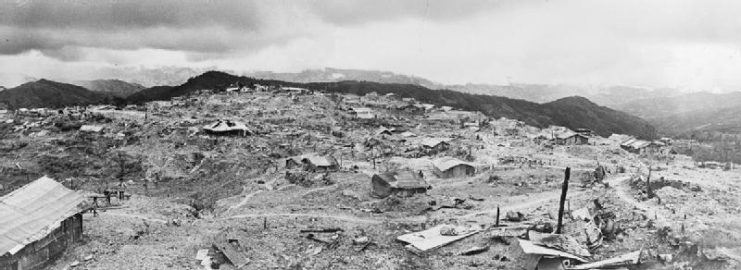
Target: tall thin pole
{"points": [[564, 189], [497, 224]]}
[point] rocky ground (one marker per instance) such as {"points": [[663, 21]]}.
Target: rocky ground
{"points": [[193, 190]]}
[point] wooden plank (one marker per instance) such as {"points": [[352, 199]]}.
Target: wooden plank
{"points": [[530, 248]]}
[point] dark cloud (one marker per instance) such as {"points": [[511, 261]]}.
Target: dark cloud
{"points": [[15, 41], [55, 26], [128, 14], [195, 26]]}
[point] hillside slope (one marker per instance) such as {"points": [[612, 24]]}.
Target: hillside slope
{"points": [[114, 87], [576, 111], [570, 112], [51, 94]]}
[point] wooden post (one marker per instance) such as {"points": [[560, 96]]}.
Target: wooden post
{"points": [[497, 224], [564, 189], [648, 184]]}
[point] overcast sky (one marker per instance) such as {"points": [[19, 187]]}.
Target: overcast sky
{"points": [[672, 43]]}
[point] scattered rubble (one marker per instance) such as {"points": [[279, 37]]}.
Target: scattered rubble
{"points": [[298, 180]]}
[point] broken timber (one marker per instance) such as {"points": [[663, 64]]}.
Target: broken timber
{"points": [[236, 257], [564, 189], [632, 258]]}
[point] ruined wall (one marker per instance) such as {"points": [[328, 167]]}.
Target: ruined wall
{"points": [[457, 171], [36, 255]]}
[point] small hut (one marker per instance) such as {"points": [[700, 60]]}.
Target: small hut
{"points": [[451, 168], [404, 182], [571, 138]]}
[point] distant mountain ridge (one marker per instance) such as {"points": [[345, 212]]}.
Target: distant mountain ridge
{"points": [[51, 94], [610, 96], [336, 75], [686, 113], [572, 112], [114, 87]]}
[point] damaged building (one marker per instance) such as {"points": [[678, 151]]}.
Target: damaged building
{"points": [[572, 138], [314, 163], [227, 127], [39, 221], [404, 182]]}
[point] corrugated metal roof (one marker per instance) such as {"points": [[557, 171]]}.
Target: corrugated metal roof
{"points": [[628, 142], [31, 212], [408, 179], [444, 164]]}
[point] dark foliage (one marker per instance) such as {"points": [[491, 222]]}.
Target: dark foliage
{"points": [[50, 94]]}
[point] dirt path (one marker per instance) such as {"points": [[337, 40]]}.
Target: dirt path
{"points": [[619, 183], [136, 216], [524, 203], [318, 189], [531, 201], [244, 200], [622, 191], [345, 218]]}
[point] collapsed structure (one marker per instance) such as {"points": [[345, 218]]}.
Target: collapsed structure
{"points": [[313, 162], [39, 221], [227, 127]]}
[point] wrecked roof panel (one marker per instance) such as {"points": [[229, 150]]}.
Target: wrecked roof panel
{"points": [[431, 238]]}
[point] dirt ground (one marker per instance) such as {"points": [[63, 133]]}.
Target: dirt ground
{"points": [[192, 190]]}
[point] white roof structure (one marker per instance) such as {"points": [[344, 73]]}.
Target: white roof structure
{"points": [[33, 211], [226, 126], [446, 163]]}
